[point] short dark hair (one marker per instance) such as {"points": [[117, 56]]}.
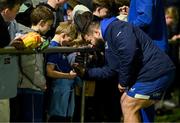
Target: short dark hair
{"points": [[91, 26], [41, 12], [122, 2], [85, 21], [101, 3], [9, 4]]}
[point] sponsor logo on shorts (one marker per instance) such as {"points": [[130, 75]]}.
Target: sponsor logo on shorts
{"points": [[132, 89], [140, 96], [156, 94]]}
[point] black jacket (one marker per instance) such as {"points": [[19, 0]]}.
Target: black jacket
{"points": [[4, 33]]}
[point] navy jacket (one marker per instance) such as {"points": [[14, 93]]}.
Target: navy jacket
{"points": [[130, 53], [149, 16]]}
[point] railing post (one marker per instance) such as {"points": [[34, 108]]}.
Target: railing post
{"points": [[83, 92]]}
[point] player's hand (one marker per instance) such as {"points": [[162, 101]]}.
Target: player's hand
{"points": [[79, 69], [121, 88], [80, 58]]}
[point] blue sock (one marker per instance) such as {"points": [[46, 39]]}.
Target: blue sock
{"points": [[148, 114]]}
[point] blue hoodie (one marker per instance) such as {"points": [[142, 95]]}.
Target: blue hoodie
{"points": [[131, 54], [149, 16]]}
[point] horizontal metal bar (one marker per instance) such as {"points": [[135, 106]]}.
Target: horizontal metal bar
{"points": [[12, 50]]}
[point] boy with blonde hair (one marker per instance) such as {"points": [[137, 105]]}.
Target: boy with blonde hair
{"points": [[66, 28], [63, 77]]}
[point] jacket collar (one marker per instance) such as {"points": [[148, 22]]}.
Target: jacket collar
{"points": [[105, 23]]}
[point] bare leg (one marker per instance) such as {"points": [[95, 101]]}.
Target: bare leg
{"points": [[131, 107]]}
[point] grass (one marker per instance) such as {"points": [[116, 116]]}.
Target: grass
{"points": [[172, 115]]}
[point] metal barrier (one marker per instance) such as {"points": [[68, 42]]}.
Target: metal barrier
{"points": [[86, 50], [12, 50]]}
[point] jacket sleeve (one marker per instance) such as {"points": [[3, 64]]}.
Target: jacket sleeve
{"points": [[144, 9], [100, 73], [124, 45]]}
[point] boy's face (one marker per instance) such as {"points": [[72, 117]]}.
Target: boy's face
{"points": [[10, 14], [169, 20], [69, 14], [60, 2], [102, 12], [65, 39], [45, 26]]}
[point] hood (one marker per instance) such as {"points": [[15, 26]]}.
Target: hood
{"points": [[105, 23]]}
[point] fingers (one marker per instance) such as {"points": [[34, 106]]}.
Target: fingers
{"points": [[80, 58], [121, 89], [79, 69], [123, 97], [18, 44]]}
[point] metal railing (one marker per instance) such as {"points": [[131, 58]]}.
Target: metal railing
{"points": [[12, 50], [86, 50]]}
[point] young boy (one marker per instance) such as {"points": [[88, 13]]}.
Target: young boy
{"points": [[32, 82], [8, 63], [101, 8], [144, 71], [63, 77]]}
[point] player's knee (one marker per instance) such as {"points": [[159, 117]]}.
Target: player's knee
{"points": [[129, 105]]}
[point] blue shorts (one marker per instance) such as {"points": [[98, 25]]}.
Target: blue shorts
{"points": [[151, 89]]}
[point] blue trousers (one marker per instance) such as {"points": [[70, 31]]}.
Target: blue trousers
{"points": [[62, 98]]}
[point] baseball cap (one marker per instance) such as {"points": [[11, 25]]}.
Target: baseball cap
{"points": [[82, 17]]}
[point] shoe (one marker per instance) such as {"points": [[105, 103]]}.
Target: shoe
{"points": [[169, 104]]}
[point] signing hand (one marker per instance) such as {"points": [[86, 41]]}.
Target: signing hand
{"points": [[121, 88]]}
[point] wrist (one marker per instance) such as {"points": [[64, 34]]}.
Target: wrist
{"points": [[56, 39]]}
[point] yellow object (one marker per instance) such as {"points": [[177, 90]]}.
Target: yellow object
{"points": [[32, 40], [89, 89], [4, 111]]}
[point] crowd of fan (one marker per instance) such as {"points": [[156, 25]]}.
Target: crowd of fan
{"points": [[44, 87]]}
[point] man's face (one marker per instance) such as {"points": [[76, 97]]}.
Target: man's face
{"points": [[94, 37]]}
